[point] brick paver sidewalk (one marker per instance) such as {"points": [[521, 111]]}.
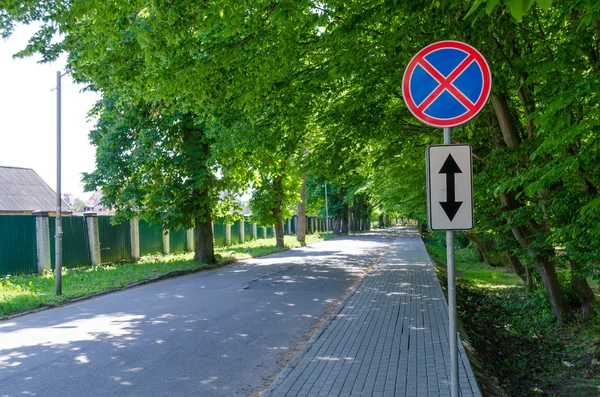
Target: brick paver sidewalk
{"points": [[389, 338]]}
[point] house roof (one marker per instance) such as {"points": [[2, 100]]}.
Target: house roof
{"points": [[23, 190]]}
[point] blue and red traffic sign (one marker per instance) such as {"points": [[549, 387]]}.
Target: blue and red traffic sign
{"points": [[446, 84]]}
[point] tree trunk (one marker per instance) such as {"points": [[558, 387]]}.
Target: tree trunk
{"points": [[485, 247], [582, 290], [524, 233], [337, 226], [545, 265], [543, 261], [345, 216], [198, 151], [505, 120], [528, 104], [547, 271], [204, 247], [519, 269], [530, 278], [479, 254], [279, 233], [301, 232]]}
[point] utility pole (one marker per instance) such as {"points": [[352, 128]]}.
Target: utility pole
{"points": [[326, 209], [58, 228]]}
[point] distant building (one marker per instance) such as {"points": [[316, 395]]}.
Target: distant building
{"points": [[23, 191], [94, 204], [69, 199]]}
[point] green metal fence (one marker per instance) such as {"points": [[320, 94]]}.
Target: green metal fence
{"points": [[115, 240], [236, 235], [285, 226], [219, 232], [270, 233], [248, 230], [177, 241], [151, 240], [75, 242], [18, 250]]}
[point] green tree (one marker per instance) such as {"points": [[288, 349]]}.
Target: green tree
{"points": [[322, 80], [157, 165]]}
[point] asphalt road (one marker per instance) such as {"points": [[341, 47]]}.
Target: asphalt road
{"points": [[223, 332]]}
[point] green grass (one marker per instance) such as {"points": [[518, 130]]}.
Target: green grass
{"points": [[514, 333], [27, 292], [266, 246], [468, 267]]}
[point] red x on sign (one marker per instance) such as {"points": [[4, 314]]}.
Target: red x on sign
{"points": [[446, 84]]}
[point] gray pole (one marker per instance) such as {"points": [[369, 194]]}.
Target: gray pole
{"points": [[452, 296], [58, 235], [326, 209]]}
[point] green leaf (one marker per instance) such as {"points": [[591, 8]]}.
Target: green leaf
{"points": [[545, 4], [491, 5], [518, 8], [474, 7]]}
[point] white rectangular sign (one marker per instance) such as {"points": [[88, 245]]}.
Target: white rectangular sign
{"points": [[450, 187]]}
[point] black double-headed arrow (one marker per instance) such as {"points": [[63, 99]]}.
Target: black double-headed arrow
{"points": [[450, 206]]}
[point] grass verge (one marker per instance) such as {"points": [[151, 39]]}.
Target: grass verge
{"points": [[26, 292], [523, 351]]}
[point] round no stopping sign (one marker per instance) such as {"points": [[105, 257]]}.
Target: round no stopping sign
{"points": [[446, 84]]}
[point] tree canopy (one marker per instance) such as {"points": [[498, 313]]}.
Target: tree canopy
{"points": [[276, 89]]}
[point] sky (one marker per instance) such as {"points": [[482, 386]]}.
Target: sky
{"points": [[28, 117]]}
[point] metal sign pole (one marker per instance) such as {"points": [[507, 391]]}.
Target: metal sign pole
{"points": [[451, 295], [469, 84]]}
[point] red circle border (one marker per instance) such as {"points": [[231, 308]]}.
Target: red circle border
{"points": [[453, 122]]}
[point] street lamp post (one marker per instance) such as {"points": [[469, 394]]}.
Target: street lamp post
{"points": [[59, 233], [326, 209]]}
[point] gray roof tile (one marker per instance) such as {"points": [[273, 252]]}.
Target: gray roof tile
{"points": [[22, 189]]}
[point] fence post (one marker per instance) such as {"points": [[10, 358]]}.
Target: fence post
{"points": [[134, 231], [227, 234], [289, 226], [166, 242], [264, 230], [190, 240], [242, 231], [42, 240], [274, 232], [91, 219], [254, 231]]}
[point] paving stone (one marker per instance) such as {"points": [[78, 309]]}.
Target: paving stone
{"points": [[390, 337]]}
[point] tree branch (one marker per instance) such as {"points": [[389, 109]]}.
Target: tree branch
{"points": [[244, 41]]}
